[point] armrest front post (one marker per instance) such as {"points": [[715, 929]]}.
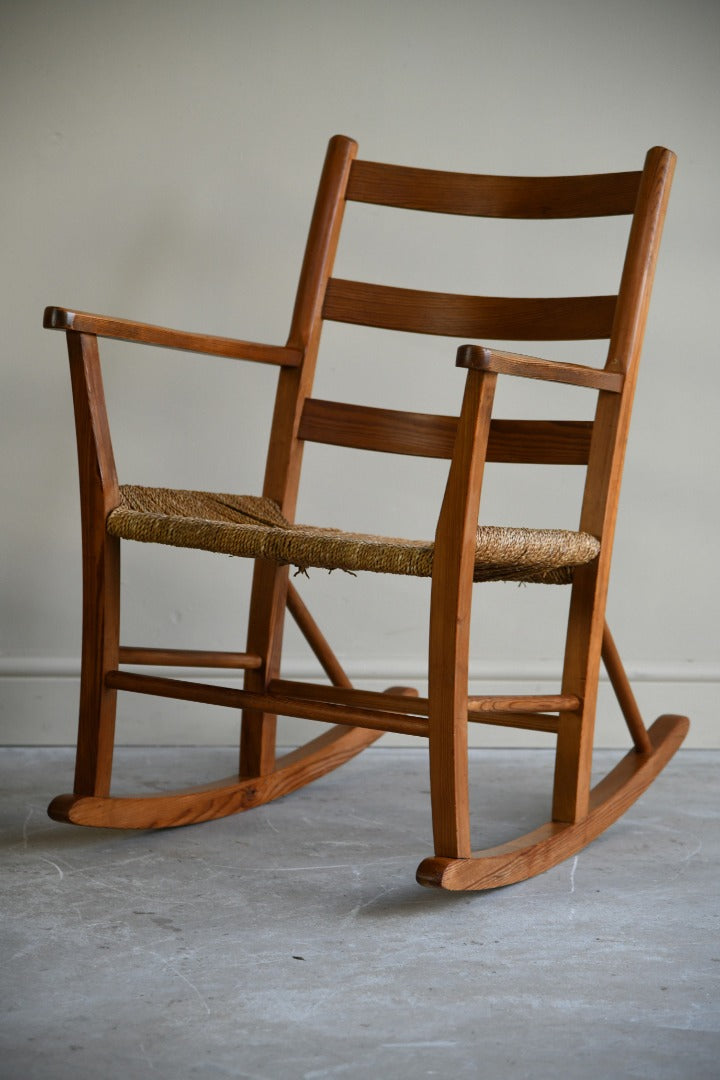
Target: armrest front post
{"points": [[99, 494], [98, 476], [450, 605]]}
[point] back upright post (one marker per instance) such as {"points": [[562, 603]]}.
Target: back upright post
{"points": [[586, 619], [282, 472]]}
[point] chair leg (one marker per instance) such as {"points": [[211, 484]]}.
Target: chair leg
{"points": [[450, 607], [448, 727], [581, 670], [100, 643], [101, 570], [265, 633]]}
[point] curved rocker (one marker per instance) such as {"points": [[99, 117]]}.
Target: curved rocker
{"points": [[553, 842], [230, 795]]}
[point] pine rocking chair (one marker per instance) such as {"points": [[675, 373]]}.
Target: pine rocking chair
{"points": [[263, 528]]}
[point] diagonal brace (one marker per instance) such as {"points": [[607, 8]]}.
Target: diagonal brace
{"points": [[623, 692]]}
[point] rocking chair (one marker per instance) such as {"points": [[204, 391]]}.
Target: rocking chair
{"points": [[263, 528]]}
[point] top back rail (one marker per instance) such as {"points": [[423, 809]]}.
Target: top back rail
{"points": [[599, 195]]}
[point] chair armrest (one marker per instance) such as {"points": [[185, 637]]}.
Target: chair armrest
{"points": [[82, 322], [530, 367]]}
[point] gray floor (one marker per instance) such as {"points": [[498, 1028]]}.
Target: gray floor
{"points": [[292, 942]]}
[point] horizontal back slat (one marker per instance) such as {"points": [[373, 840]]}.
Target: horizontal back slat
{"points": [[540, 442], [548, 442], [572, 318], [388, 430], [493, 196]]}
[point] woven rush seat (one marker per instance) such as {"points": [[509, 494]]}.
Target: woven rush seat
{"points": [[253, 527]]}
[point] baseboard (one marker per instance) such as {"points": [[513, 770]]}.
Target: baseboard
{"points": [[38, 704]]}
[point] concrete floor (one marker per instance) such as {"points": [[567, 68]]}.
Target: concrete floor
{"points": [[292, 941]]}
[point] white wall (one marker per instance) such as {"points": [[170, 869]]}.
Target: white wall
{"points": [[159, 162]]}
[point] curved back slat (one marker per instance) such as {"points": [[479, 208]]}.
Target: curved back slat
{"points": [[396, 431], [493, 196], [573, 318]]}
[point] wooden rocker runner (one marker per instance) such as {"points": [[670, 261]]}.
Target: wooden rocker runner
{"points": [[263, 528]]}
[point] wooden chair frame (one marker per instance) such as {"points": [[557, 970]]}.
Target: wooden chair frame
{"points": [[360, 717]]}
